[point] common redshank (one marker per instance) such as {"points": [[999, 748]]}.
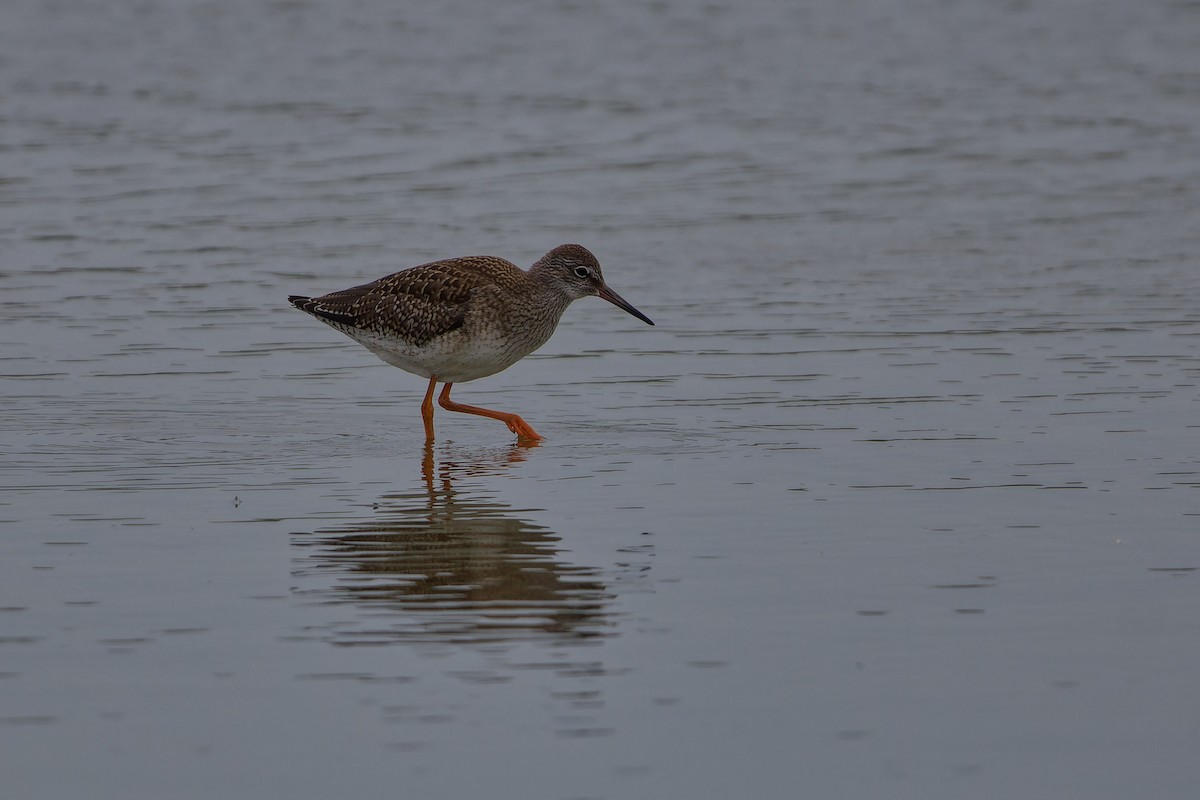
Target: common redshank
{"points": [[461, 319]]}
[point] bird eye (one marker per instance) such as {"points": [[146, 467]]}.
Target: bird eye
{"points": [[582, 272]]}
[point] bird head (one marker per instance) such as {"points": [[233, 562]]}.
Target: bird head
{"points": [[577, 274]]}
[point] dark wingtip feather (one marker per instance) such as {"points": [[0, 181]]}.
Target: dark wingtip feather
{"points": [[312, 305]]}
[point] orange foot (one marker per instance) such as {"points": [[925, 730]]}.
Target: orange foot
{"points": [[521, 428]]}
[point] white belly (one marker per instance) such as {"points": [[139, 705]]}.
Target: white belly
{"points": [[452, 358]]}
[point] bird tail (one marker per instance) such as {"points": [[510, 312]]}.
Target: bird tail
{"points": [[312, 305]]}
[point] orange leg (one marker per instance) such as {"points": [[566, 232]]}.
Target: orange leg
{"points": [[427, 410], [515, 424]]}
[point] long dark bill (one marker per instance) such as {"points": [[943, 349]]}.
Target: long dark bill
{"points": [[618, 301]]}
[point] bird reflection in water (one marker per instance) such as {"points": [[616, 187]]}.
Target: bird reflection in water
{"points": [[452, 563]]}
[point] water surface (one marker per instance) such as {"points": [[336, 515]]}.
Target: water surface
{"points": [[899, 498]]}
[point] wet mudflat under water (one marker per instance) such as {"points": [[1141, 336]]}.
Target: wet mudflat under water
{"points": [[899, 498]]}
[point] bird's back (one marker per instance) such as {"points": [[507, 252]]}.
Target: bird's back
{"points": [[414, 305]]}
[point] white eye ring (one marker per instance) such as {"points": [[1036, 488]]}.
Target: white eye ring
{"points": [[582, 272]]}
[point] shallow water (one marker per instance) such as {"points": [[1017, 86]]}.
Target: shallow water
{"points": [[899, 498]]}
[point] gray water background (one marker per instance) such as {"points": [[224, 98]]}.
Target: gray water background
{"points": [[899, 499]]}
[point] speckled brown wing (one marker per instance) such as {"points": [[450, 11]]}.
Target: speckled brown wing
{"points": [[415, 305]]}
